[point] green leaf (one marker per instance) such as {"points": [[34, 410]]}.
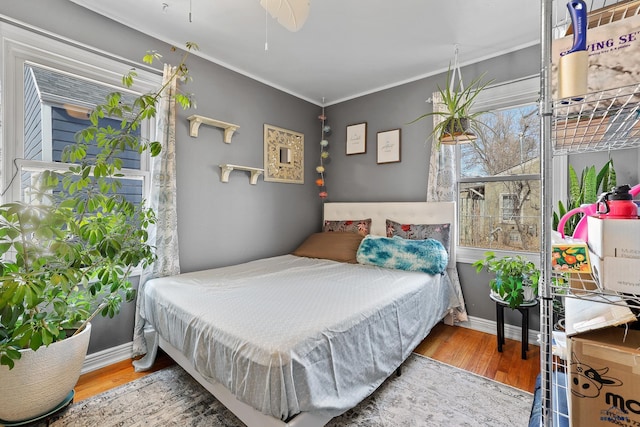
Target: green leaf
{"points": [[589, 189], [606, 178], [155, 148], [60, 307], [574, 189], [36, 341], [47, 337], [150, 56], [6, 360]]}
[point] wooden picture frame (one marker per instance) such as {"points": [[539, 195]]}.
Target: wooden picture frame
{"points": [[283, 155], [388, 146], [356, 142]]}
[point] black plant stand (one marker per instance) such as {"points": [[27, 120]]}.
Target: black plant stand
{"points": [[524, 310]]}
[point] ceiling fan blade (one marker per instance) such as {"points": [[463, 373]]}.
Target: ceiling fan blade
{"points": [[291, 14]]}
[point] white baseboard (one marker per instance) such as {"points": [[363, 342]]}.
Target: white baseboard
{"points": [[107, 357], [490, 327]]}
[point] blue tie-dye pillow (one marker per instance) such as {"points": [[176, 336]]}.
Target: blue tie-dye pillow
{"points": [[428, 256]]}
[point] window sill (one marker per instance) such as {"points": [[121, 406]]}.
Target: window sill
{"points": [[470, 255]]}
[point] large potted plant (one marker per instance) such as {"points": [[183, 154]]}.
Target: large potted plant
{"points": [[459, 123], [516, 278], [67, 255]]}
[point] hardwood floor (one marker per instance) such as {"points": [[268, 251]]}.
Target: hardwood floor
{"points": [[477, 352], [115, 375], [465, 348]]}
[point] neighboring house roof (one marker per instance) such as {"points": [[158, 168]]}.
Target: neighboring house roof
{"points": [[530, 166], [55, 87]]}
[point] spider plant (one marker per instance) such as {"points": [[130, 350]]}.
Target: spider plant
{"points": [[459, 123]]}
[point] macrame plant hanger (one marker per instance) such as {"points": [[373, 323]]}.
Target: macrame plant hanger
{"points": [[467, 136], [456, 70]]}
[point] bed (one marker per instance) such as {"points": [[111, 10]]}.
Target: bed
{"points": [[296, 340]]}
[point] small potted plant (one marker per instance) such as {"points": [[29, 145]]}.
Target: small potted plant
{"points": [[584, 191], [459, 124], [516, 278]]}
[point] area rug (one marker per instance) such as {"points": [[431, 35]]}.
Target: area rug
{"points": [[428, 393]]}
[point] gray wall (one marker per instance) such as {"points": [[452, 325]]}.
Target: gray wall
{"points": [[218, 223], [226, 223], [625, 162], [221, 224], [359, 178]]}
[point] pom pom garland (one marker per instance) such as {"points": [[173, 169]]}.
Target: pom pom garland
{"points": [[324, 154]]}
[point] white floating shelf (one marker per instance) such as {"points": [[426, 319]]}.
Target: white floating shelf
{"points": [[195, 121], [226, 169]]}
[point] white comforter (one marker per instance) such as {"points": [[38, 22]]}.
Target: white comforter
{"points": [[292, 334]]}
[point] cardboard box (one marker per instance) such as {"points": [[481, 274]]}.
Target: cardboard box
{"points": [[582, 282], [614, 237], [604, 376], [570, 132], [595, 312], [617, 273]]}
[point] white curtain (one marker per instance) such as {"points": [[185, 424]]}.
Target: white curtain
{"points": [[162, 199], [441, 187]]}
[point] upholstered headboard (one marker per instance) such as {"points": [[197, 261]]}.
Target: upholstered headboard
{"points": [[403, 212]]}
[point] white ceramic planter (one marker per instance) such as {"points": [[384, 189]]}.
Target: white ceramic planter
{"points": [[528, 294], [42, 379]]}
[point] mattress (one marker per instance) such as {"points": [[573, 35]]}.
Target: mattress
{"points": [[292, 334]]}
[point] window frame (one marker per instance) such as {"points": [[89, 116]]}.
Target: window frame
{"points": [[22, 46], [509, 94], [503, 198]]}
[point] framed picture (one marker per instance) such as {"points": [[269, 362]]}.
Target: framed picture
{"points": [[283, 155], [389, 146], [357, 138]]}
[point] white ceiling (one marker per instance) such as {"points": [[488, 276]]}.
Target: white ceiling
{"points": [[346, 48]]}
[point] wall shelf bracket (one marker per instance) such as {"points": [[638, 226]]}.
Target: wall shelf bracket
{"points": [[225, 170], [195, 121]]}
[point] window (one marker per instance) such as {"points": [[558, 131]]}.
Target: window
{"points": [[508, 209], [56, 108], [49, 88], [499, 175]]}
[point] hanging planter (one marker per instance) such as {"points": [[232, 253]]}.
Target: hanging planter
{"points": [[458, 122], [457, 131]]}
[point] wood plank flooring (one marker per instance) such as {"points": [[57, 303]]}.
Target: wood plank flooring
{"points": [[115, 375], [465, 348], [477, 352]]}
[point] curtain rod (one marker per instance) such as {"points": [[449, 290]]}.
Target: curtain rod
{"points": [[87, 48]]}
